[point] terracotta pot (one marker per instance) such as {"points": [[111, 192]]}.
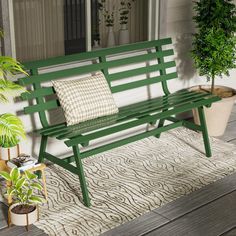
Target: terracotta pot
{"points": [[21, 219], [217, 116]]}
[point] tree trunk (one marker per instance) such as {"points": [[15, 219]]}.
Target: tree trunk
{"points": [[212, 84]]}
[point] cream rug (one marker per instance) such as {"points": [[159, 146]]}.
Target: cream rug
{"points": [[129, 181]]}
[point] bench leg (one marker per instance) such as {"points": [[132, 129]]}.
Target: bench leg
{"points": [[204, 131], [42, 150], [82, 180], [160, 124]]}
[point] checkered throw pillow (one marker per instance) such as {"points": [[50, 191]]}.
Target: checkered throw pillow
{"points": [[85, 99]]}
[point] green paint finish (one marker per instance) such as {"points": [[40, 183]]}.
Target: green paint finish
{"points": [[82, 180], [139, 59], [204, 131]]}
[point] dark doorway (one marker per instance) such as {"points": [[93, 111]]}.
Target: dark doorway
{"points": [[74, 25]]}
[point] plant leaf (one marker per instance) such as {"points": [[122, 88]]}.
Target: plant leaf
{"points": [[36, 186], [11, 130], [30, 192], [9, 89], [15, 174], [5, 175], [35, 199], [10, 191], [20, 182], [30, 175]]}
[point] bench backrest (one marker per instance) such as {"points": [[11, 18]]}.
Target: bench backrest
{"points": [[103, 60]]}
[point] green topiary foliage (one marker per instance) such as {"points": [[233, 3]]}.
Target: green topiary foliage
{"points": [[214, 46]]}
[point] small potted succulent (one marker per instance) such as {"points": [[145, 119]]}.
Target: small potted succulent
{"points": [[21, 188], [214, 55]]}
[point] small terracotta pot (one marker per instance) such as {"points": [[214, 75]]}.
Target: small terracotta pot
{"points": [[217, 116], [23, 219]]}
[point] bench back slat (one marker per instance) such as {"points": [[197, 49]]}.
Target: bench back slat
{"points": [[117, 64], [103, 52]]}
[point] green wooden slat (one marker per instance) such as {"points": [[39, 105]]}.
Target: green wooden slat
{"points": [[125, 141], [162, 72], [140, 58], [124, 112], [41, 107], [61, 163], [95, 54], [49, 90], [40, 100], [93, 68], [38, 93], [145, 82], [140, 71], [62, 74], [141, 114], [144, 120]]}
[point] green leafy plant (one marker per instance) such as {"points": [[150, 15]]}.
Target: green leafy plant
{"points": [[11, 130], [214, 45], [125, 7], [108, 15], [11, 127], [23, 187]]}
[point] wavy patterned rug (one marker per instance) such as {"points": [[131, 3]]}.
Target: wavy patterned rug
{"points": [[127, 182]]}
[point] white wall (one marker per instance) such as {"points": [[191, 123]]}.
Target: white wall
{"points": [[179, 26], [178, 21]]}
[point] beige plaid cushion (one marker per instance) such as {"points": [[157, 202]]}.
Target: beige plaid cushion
{"points": [[85, 99]]}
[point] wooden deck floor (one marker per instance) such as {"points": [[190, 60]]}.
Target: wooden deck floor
{"points": [[210, 211]]}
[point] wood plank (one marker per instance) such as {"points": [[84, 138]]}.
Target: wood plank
{"points": [[230, 132], [21, 231], [233, 141], [232, 117], [138, 226], [3, 216], [211, 220], [198, 198], [231, 232]]}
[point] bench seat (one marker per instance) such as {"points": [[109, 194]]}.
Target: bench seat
{"points": [[129, 116]]}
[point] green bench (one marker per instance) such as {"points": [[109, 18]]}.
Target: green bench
{"points": [[150, 111]]}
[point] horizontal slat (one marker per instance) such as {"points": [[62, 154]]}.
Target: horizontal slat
{"points": [[141, 58], [127, 112], [41, 107], [134, 59], [62, 74], [38, 93], [178, 109], [126, 141], [145, 82], [136, 115], [94, 54], [140, 71]]}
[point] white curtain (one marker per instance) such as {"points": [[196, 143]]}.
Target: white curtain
{"points": [[39, 29], [137, 25]]}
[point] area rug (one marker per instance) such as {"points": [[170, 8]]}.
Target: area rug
{"points": [[128, 181]]}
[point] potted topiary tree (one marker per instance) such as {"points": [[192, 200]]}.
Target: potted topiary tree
{"points": [[214, 55], [24, 210]]}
